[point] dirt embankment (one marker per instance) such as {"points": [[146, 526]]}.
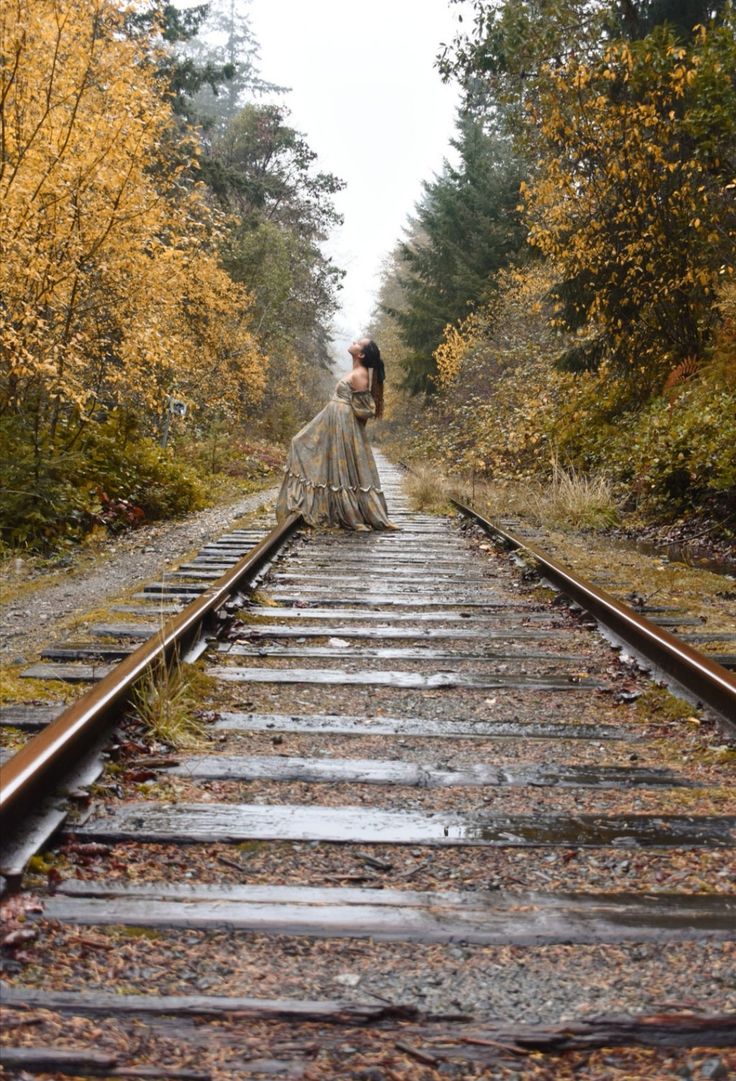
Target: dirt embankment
{"points": [[42, 603]]}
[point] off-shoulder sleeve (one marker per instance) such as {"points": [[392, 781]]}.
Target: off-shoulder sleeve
{"points": [[363, 405]]}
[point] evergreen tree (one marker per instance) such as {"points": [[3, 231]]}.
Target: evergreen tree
{"points": [[636, 20], [184, 74], [466, 228], [261, 170], [224, 42]]}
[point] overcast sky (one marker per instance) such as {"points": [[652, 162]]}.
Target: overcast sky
{"points": [[365, 92]]}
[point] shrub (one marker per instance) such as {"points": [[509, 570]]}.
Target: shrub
{"points": [[112, 476], [130, 467]]}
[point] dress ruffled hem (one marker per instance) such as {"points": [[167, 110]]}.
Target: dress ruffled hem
{"points": [[307, 483], [321, 504]]}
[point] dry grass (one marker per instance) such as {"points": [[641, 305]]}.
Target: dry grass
{"points": [[575, 499], [570, 500], [428, 490], [166, 699]]}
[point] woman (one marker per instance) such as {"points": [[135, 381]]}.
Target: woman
{"points": [[331, 477]]}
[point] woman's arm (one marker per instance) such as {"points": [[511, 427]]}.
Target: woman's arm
{"points": [[363, 405]]}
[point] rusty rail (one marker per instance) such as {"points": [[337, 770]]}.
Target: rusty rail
{"points": [[30, 773], [696, 673]]}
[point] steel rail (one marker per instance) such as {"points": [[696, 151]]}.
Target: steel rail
{"points": [[29, 774], [696, 673]]}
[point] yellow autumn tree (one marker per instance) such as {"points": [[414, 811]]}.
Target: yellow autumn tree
{"points": [[111, 289], [457, 340], [112, 297], [499, 387], [631, 197]]}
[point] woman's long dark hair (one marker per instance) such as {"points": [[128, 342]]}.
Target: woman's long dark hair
{"points": [[372, 360]]}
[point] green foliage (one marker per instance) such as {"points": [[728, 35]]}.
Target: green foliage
{"points": [[627, 114], [110, 475], [511, 42], [280, 208], [674, 455], [222, 44], [183, 75], [636, 20], [510, 415], [632, 201], [222, 455], [183, 259]]}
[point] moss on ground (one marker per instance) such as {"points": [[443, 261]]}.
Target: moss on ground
{"points": [[19, 690], [659, 704]]}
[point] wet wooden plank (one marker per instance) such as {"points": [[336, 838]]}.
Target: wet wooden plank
{"points": [[203, 557], [207, 563], [254, 535], [366, 541], [416, 553], [714, 636], [419, 727], [452, 555], [363, 598], [154, 608], [676, 1029], [197, 574], [231, 541], [80, 1062], [406, 633], [77, 1061], [224, 822], [238, 550], [333, 677], [29, 716], [387, 653], [68, 673], [95, 1003], [124, 630], [85, 651], [370, 540], [173, 587], [417, 547], [672, 621], [524, 919], [347, 585], [417, 774], [397, 565], [164, 595], [478, 619], [404, 581], [726, 660]]}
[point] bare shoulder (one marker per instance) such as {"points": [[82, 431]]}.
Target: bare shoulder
{"points": [[358, 379]]}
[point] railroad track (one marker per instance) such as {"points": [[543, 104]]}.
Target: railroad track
{"points": [[429, 833]]}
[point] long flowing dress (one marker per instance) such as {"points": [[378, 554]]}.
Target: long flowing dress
{"points": [[331, 475]]}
